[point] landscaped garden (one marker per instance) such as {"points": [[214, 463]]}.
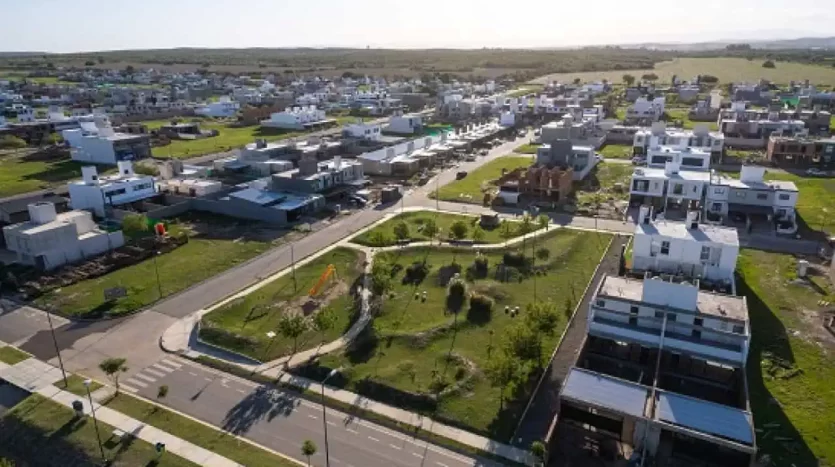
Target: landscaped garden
{"points": [[462, 335], [471, 188], [422, 226], [286, 306], [790, 367]]}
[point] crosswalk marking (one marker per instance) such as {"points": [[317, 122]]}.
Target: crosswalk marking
{"points": [[163, 368], [137, 383], [156, 373], [172, 363], [146, 378], [128, 388]]}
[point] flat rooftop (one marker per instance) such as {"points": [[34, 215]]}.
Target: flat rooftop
{"points": [[687, 175], [708, 303], [702, 233], [781, 185]]}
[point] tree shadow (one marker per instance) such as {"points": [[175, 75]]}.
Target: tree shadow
{"points": [[263, 403]]}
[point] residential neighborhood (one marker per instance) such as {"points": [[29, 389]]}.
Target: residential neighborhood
{"points": [[308, 262]]}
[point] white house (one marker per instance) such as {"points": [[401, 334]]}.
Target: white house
{"points": [[360, 130], [50, 240], [224, 107], [295, 118], [99, 144], [687, 158], [659, 136], [507, 119], [662, 187], [94, 192], [646, 110], [404, 124], [752, 195], [689, 248]]}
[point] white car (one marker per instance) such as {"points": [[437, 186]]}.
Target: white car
{"points": [[815, 172], [638, 160]]}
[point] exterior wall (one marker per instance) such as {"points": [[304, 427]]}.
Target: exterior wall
{"points": [[751, 197], [94, 197], [648, 186], [684, 256], [686, 190], [95, 150]]}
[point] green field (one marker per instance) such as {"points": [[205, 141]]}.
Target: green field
{"points": [[412, 337], [242, 324], [471, 188], [527, 149], [416, 219], [18, 174], [11, 356], [616, 151], [683, 116], [727, 69], [790, 367], [42, 432], [229, 137], [196, 433], [199, 259]]}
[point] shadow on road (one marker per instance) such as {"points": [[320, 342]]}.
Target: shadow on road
{"points": [[262, 404]]}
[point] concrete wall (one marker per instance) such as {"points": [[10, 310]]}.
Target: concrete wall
{"points": [[745, 143]]}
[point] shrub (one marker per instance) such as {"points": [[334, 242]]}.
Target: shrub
{"points": [[458, 230], [481, 308], [543, 253], [11, 142], [480, 266], [509, 273], [769, 64], [517, 260], [415, 273], [709, 79], [456, 295]]}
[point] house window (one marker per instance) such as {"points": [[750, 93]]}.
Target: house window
{"points": [[659, 315], [718, 191], [633, 320], [633, 310], [740, 194], [678, 189], [601, 303], [716, 207], [784, 197], [705, 254], [739, 329], [671, 317], [762, 196], [665, 248], [698, 322]]}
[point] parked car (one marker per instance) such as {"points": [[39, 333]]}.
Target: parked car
{"points": [[469, 157], [461, 174], [484, 152], [638, 160], [815, 172]]}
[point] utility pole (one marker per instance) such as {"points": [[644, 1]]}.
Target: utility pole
{"points": [[156, 270], [293, 266], [57, 349]]}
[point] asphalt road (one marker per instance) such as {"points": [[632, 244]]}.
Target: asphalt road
{"points": [[282, 421]]}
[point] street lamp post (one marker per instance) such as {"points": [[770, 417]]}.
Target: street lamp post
{"points": [[324, 417], [87, 383], [156, 270], [57, 349]]}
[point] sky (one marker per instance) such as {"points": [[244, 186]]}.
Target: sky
{"points": [[93, 25]]}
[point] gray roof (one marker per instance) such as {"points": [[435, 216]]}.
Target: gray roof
{"points": [[605, 391], [707, 417]]}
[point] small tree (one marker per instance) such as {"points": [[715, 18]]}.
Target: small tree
{"points": [[502, 371], [135, 224], [543, 254], [769, 64], [292, 326], [458, 230], [526, 224], [456, 295], [542, 221], [162, 392], [478, 234], [506, 230], [324, 320], [113, 368], [308, 449], [401, 231], [628, 79], [89, 63], [649, 77], [430, 229], [539, 450]]}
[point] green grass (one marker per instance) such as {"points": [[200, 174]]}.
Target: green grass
{"points": [[443, 221], [599, 186], [44, 432], [471, 188], [683, 115], [75, 385], [196, 433], [527, 149], [400, 359], [197, 260], [528, 88], [18, 175], [11, 356], [790, 373], [616, 151], [727, 69], [229, 137], [259, 312]]}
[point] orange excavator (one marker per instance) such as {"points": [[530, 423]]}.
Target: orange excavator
{"points": [[329, 271]]}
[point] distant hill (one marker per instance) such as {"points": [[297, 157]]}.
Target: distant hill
{"points": [[799, 43]]}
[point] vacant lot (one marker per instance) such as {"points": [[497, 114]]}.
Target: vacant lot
{"points": [[607, 184], [242, 325], [682, 115], [419, 345], [39, 431], [725, 68], [790, 367], [417, 219], [204, 256], [616, 151], [471, 188], [21, 173]]}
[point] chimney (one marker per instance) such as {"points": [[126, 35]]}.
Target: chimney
{"points": [[125, 168], [90, 175], [42, 212]]}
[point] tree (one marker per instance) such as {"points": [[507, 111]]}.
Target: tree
{"points": [[539, 450], [401, 231], [577, 81], [162, 392], [478, 234], [292, 326], [458, 230], [324, 320], [308, 449], [381, 282], [542, 221], [542, 319], [89, 63], [129, 69], [113, 368], [430, 229], [506, 231], [522, 342], [11, 142], [543, 254], [456, 295], [708, 79], [649, 77], [502, 371], [769, 64], [628, 79], [135, 224]]}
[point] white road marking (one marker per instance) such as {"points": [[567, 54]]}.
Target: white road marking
{"points": [[331, 423], [163, 368], [137, 383], [154, 372], [241, 391], [441, 464], [146, 378], [395, 446], [373, 439], [416, 454], [172, 363], [128, 388], [192, 373], [312, 416], [207, 379], [352, 431]]}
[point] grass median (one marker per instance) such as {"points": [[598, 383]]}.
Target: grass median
{"points": [[12, 356]]}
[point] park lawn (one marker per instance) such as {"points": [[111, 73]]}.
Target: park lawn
{"points": [[11, 356], [75, 385], [616, 151], [229, 137], [470, 189], [527, 148], [406, 356], [252, 316], [790, 372], [44, 432], [599, 186], [416, 219], [189, 264], [683, 115], [727, 69], [18, 175], [214, 440]]}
